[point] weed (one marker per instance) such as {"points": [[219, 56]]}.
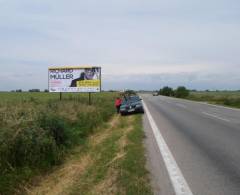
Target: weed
{"points": [[37, 130], [227, 98]]}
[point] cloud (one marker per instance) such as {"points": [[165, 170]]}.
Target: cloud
{"points": [[197, 80], [124, 37]]}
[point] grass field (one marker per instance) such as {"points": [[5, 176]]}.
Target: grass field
{"points": [[43, 97], [111, 162], [37, 131], [227, 98]]}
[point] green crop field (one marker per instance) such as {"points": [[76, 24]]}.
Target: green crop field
{"points": [[41, 96], [37, 130], [227, 98]]}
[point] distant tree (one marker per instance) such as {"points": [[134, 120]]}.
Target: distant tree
{"points": [[19, 90], [181, 92], [129, 92], [166, 91], [46, 90], [34, 90]]}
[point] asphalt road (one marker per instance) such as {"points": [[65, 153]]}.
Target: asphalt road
{"points": [[204, 140]]}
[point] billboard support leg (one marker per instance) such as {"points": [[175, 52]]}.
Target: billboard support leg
{"points": [[60, 96], [89, 99]]}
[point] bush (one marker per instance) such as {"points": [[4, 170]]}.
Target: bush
{"points": [[181, 92], [55, 126], [129, 92], [36, 134], [34, 90], [166, 91], [232, 102]]}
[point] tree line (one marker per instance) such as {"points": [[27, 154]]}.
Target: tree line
{"points": [[30, 90], [180, 92]]}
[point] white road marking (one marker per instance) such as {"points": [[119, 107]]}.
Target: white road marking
{"points": [[218, 106], [205, 103], [181, 105], [178, 181], [215, 116]]}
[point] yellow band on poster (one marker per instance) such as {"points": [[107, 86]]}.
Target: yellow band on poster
{"points": [[88, 83]]}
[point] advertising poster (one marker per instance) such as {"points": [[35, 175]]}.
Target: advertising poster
{"points": [[74, 79]]}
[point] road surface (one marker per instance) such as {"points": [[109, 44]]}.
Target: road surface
{"points": [[204, 141]]}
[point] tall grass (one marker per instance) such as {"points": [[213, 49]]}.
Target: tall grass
{"points": [[228, 98], [37, 130]]}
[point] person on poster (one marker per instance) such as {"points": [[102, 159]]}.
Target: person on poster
{"points": [[88, 74]]}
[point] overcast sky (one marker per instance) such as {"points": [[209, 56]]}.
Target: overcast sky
{"points": [[140, 44]]}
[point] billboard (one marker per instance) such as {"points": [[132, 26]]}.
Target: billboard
{"points": [[74, 79]]}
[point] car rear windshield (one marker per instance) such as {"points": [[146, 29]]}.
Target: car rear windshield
{"points": [[130, 99]]}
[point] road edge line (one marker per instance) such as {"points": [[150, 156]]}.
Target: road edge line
{"points": [[205, 103], [178, 181], [216, 117]]}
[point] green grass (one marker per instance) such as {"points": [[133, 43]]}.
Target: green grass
{"points": [[41, 96], [37, 131], [102, 155], [134, 175], [118, 163], [226, 98]]}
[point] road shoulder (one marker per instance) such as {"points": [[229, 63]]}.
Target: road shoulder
{"points": [[160, 181]]}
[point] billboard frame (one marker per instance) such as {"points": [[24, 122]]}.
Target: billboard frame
{"points": [[75, 67]]}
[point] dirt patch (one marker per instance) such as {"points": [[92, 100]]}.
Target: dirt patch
{"points": [[59, 180], [108, 185], [65, 176], [102, 135], [122, 142], [72, 172]]}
